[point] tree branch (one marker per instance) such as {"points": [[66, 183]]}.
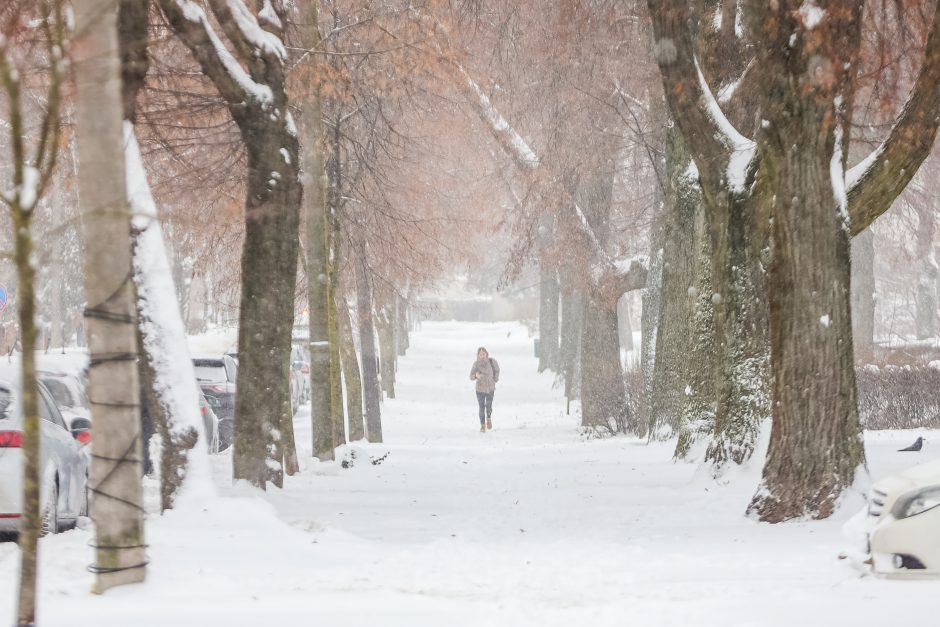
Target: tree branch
{"points": [[874, 183], [191, 25], [712, 140]]}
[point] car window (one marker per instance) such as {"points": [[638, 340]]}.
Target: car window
{"points": [[60, 392], [6, 400], [82, 399], [48, 411], [231, 369], [209, 369]]}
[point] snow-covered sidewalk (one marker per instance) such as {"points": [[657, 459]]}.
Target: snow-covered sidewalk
{"points": [[526, 525]]}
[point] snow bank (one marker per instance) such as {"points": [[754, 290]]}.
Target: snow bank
{"points": [[163, 333]]}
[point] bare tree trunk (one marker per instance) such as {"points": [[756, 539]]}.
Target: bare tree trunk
{"points": [[674, 332], [29, 532], [549, 297], [698, 371], [337, 415], [370, 378], [603, 398], [111, 312], [351, 374], [863, 296], [269, 265], [385, 324], [649, 326], [816, 444], [315, 182], [403, 329], [31, 175], [572, 316], [603, 401]]}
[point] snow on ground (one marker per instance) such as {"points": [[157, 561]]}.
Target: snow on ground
{"points": [[528, 524]]}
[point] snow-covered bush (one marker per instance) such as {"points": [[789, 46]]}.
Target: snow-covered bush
{"points": [[895, 397]]}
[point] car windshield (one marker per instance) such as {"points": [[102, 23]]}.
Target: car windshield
{"points": [[60, 392], [210, 369]]}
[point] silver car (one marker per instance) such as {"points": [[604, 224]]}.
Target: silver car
{"points": [[63, 467]]}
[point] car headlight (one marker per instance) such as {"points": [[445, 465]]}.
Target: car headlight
{"points": [[917, 502]]}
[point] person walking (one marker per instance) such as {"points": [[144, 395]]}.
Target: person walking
{"points": [[485, 372]]}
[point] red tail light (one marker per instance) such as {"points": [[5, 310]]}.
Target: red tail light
{"points": [[11, 439], [83, 437], [202, 408]]}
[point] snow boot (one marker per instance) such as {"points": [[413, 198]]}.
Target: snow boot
{"points": [[489, 423], [482, 428]]}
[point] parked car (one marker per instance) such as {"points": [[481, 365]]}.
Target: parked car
{"points": [[211, 423], [217, 377], [904, 523], [68, 392], [64, 467]]}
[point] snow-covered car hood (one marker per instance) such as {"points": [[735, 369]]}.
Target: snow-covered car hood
{"points": [[920, 476]]}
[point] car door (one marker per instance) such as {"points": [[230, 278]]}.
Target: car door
{"points": [[64, 452]]}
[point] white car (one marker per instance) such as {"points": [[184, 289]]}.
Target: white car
{"points": [[64, 467], [904, 523], [68, 392]]}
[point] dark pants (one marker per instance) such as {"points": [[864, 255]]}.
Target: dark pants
{"points": [[485, 399]]}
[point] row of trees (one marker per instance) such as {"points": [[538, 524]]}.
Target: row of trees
{"points": [[748, 299], [321, 133], [314, 157]]}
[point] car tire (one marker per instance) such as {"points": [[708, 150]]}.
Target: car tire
{"points": [[49, 522]]}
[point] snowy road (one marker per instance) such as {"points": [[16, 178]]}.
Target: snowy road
{"points": [[525, 525]]}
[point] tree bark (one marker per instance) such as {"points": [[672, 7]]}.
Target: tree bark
{"points": [[548, 296], [21, 212], [649, 325], [269, 267], [679, 287], [572, 319], [372, 391], [816, 440], [351, 374], [316, 210], [337, 415], [385, 324], [403, 328], [31, 522], [110, 317], [603, 398]]}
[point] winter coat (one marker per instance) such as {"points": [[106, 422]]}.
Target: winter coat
{"points": [[486, 373]]}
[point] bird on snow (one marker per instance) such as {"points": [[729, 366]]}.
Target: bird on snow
{"points": [[916, 446]]}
